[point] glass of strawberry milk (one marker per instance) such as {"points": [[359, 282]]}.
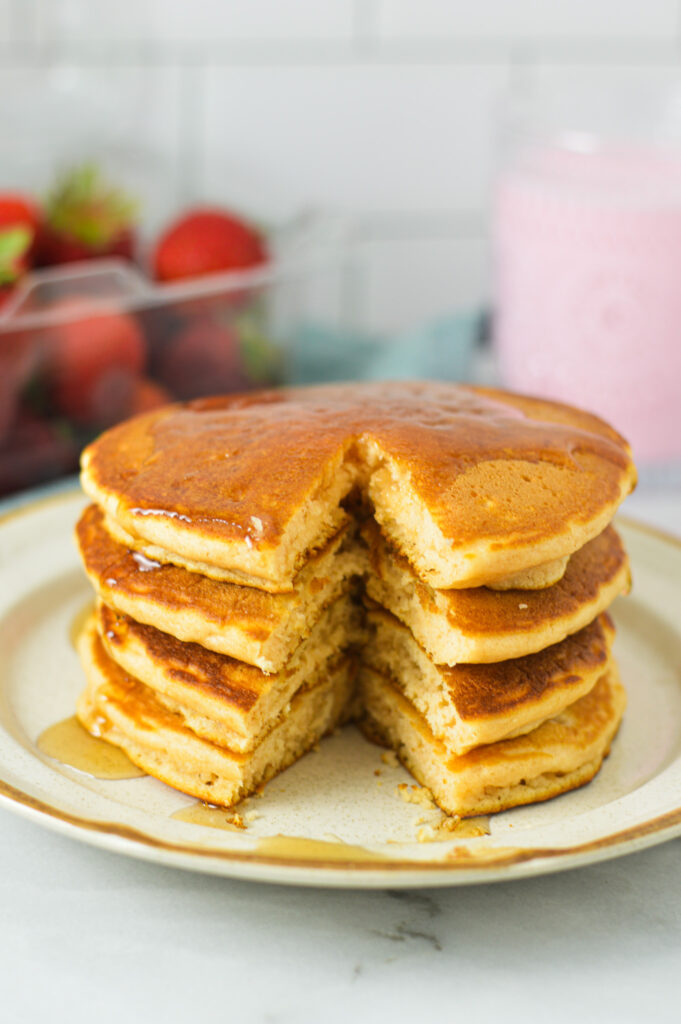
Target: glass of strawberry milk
{"points": [[587, 241]]}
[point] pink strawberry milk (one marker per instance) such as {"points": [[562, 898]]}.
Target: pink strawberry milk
{"points": [[588, 284]]}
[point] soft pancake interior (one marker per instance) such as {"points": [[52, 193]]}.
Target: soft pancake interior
{"points": [[471, 705], [560, 754], [224, 700], [126, 713], [339, 521], [481, 625], [535, 578], [252, 625], [264, 629]]}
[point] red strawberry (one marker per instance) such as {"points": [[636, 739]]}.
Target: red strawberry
{"points": [[17, 210], [95, 357], [203, 360], [120, 394], [19, 219], [147, 395], [19, 356], [85, 218], [207, 241], [17, 351]]}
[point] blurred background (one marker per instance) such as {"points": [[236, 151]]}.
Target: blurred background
{"points": [[484, 190]]}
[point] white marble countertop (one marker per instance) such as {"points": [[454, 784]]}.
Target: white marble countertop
{"points": [[90, 936]]}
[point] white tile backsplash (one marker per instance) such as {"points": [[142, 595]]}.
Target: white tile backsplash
{"points": [[405, 283], [208, 21], [6, 22], [386, 109], [527, 19], [17, 28], [636, 100], [126, 119], [363, 139]]}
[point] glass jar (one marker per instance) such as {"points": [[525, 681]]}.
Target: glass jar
{"points": [[587, 238]]}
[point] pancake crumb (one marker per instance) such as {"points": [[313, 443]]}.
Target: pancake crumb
{"points": [[389, 757], [470, 828], [416, 795]]}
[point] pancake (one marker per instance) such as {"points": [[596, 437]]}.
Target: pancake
{"points": [[480, 625], [126, 713], [471, 705], [559, 755], [473, 486], [224, 700], [154, 553], [537, 578], [254, 626]]}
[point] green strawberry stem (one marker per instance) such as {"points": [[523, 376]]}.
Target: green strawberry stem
{"points": [[14, 245], [84, 207]]}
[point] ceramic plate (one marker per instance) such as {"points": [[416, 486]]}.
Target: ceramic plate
{"points": [[336, 817]]}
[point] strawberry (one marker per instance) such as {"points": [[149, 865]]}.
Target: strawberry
{"points": [[85, 218], [204, 359], [147, 395], [15, 245], [19, 357], [120, 394], [19, 219], [207, 241], [95, 358], [17, 210]]}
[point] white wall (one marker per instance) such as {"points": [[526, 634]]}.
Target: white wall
{"points": [[386, 109]]}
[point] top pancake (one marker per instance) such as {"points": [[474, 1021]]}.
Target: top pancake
{"points": [[472, 485]]}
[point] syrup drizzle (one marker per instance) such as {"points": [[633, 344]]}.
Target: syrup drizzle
{"points": [[314, 849], [71, 744], [210, 816]]}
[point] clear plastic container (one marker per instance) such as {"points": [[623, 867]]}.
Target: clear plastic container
{"points": [[86, 345]]}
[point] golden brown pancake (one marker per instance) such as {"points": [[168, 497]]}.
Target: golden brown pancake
{"points": [[536, 578], [472, 485], [481, 625], [224, 700], [154, 553], [559, 755], [224, 547], [123, 711], [471, 705], [259, 628]]}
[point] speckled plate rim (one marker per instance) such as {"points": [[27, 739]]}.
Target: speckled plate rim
{"points": [[491, 864]]}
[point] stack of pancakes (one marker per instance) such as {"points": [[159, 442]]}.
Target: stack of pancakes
{"points": [[435, 561]]}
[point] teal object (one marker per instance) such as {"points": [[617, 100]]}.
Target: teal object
{"points": [[442, 349]]}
